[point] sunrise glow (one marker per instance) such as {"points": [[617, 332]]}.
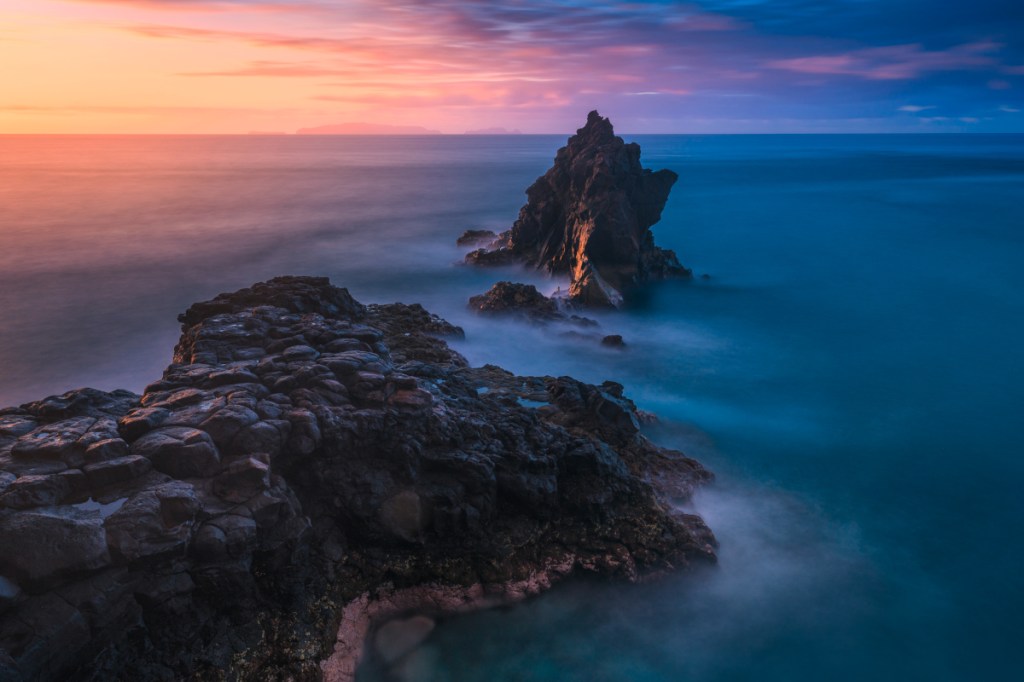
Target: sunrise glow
{"points": [[227, 66]]}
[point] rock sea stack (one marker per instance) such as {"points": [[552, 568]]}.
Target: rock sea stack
{"points": [[589, 217], [306, 469]]}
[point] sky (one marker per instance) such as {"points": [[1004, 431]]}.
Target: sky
{"points": [[702, 66]]}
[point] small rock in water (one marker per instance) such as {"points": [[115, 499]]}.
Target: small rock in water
{"points": [[524, 301], [613, 341]]}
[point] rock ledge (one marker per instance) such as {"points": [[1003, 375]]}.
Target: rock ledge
{"points": [[306, 467]]}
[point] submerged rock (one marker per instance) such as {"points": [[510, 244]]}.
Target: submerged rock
{"points": [[589, 217], [613, 341], [306, 467]]}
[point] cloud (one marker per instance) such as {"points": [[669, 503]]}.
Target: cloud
{"points": [[1008, 110], [72, 109], [653, 93], [894, 62], [263, 69], [188, 4], [739, 60]]}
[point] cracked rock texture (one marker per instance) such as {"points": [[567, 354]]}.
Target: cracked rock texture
{"points": [[303, 453]]}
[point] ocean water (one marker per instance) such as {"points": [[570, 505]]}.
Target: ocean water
{"points": [[852, 370]]}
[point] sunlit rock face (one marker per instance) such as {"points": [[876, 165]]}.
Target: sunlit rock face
{"points": [[303, 453], [589, 217]]}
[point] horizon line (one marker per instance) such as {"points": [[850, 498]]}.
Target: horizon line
{"points": [[548, 134]]}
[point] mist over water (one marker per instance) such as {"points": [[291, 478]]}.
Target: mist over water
{"points": [[851, 371]]}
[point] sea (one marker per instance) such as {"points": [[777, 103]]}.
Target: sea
{"points": [[851, 368]]}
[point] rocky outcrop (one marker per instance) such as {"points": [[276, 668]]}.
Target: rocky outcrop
{"points": [[523, 301], [589, 217], [476, 238], [305, 467]]}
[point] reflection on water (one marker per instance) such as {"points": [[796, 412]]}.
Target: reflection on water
{"points": [[851, 370]]}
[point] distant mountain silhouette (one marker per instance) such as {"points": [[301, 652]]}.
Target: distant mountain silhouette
{"points": [[366, 129], [494, 131]]}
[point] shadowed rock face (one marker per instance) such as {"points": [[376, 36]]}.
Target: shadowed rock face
{"points": [[301, 454], [589, 217]]}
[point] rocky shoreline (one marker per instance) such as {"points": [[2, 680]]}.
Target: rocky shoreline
{"points": [[307, 468]]}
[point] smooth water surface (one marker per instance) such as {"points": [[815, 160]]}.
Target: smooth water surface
{"points": [[852, 370]]}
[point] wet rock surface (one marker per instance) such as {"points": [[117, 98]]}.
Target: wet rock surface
{"points": [[302, 458], [589, 217]]}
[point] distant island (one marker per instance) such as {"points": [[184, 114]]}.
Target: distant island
{"points": [[494, 131], [366, 129]]}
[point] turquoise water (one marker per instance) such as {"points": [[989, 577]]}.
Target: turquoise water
{"points": [[852, 370]]}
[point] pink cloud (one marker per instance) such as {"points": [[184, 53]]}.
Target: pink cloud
{"points": [[896, 62], [690, 20], [835, 64], [276, 70]]}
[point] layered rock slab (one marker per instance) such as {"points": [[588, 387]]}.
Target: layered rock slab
{"points": [[589, 217], [301, 454]]}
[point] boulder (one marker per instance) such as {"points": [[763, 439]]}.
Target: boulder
{"points": [[43, 545], [179, 452], [35, 491], [58, 440], [118, 470], [154, 523]]}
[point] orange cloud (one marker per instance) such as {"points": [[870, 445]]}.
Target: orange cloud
{"points": [[232, 65]]}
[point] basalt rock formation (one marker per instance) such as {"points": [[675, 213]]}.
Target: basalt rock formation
{"points": [[308, 466], [589, 217]]}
